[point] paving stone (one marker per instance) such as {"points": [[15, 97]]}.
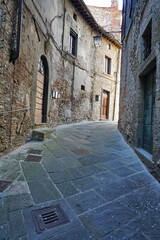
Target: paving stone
{"points": [[137, 167], [76, 233], [67, 189], [85, 183], [4, 184], [17, 187], [15, 202], [89, 170], [142, 200], [11, 175], [123, 236], [122, 171], [11, 165], [70, 162], [3, 216], [85, 201], [75, 173], [106, 177], [33, 171], [113, 164], [51, 164], [62, 153], [4, 232], [116, 189], [90, 160], [43, 190], [80, 151], [106, 218], [142, 179], [16, 225], [61, 176]]}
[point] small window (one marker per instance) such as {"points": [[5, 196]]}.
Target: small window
{"points": [[75, 16], [97, 98], [83, 87], [73, 42], [108, 65], [109, 46], [147, 41]]}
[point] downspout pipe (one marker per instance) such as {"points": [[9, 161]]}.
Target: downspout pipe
{"points": [[15, 53]]}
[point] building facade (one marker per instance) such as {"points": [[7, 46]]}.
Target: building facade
{"points": [[48, 67], [140, 81], [110, 18]]}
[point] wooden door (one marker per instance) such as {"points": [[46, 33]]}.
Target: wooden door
{"points": [[39, 98], [105, 105], [149, 100]]}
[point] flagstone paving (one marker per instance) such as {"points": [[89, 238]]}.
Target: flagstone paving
{"points": [[100, 183]]}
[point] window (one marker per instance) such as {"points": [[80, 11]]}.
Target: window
{"points": [[108, 65], [97, 98], [73, 42], [75, 16], [147, 41], [83, 87]]}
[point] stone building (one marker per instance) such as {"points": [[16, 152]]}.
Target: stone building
{"points": [[49, 67], [140, 78], [110, 18]]}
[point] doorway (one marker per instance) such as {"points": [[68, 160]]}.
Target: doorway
{"points": [[149, 105], [105, 105], [41, 91]]}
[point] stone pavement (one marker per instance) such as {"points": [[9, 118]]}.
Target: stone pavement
{"points": [[99, 182]]}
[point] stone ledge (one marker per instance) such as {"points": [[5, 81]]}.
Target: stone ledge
{"points": [[41, 134]]}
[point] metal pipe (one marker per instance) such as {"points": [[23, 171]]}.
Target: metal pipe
{"points": [[15, 53]]}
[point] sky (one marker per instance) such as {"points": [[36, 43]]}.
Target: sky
{"points": [[102, 3]]}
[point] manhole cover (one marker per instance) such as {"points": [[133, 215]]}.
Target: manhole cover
{"points": [[4, 185], [80, 151], [49, 217], [35, 151], [33, 158]]}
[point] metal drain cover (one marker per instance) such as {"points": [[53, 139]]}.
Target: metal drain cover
{"points": [[49, 217], [33, 158], [35, 151]]}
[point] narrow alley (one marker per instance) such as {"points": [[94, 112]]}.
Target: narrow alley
{"points": [[88, 173]]}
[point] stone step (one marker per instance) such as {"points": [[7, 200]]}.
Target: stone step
{"points": [[41, 134]]}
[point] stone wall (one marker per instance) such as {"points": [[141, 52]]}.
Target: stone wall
{"points": [[134, 71], [108, 17], [45, 35]]}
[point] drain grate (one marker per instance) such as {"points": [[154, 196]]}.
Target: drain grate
{"points": [[35, 151], [49, 217], [4, 185], [33, 158]]}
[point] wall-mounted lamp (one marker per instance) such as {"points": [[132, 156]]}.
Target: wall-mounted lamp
{"points": [[97, 41]]}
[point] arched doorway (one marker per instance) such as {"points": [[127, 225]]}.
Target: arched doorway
{"points": [[41, 91]]}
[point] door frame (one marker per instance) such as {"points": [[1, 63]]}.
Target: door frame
{"points": [[108, 93], [45, 91]]}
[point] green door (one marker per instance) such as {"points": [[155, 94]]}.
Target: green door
{"points": [[149, 100]]}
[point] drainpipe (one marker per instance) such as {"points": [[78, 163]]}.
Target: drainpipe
{"points": [[64, 16], [115, 94], [15, 53]]}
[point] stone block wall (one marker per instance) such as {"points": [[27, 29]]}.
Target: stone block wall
{"points": [[133, 75]]}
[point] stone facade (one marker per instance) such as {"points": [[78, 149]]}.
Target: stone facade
{"points": [[139, 119], [69, 78], [110, 18]]}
